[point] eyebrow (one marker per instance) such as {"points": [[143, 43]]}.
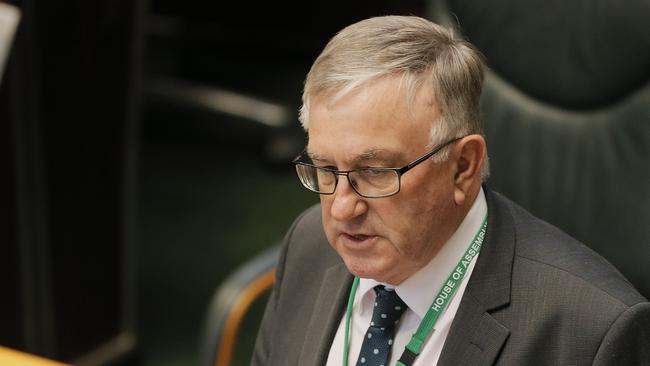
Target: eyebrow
{"points": [[314, 156], [367, 155], [371, 154]]}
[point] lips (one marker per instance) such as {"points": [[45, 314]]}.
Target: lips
{"points": [[359, 236], [357, 241]]}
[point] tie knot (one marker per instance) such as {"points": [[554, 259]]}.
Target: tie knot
{"points": [[388, 308]]}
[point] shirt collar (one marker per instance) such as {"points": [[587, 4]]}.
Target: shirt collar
{"points": [[419, 290]]}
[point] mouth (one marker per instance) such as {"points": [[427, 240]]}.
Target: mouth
{"points": [[357, 241]]}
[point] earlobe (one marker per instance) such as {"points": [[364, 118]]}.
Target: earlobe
{"points": [[459, 196]]}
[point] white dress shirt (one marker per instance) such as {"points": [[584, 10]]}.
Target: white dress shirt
{"points": [[418, 292]]}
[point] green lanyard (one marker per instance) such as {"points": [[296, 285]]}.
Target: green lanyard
{"points": [[414, 347]]}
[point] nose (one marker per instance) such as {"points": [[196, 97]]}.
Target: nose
{"points": [[347, 204]]}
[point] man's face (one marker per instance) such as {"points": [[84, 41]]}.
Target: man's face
{"points": [[387, 239]]}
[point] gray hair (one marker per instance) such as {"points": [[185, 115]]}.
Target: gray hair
{"points": [[422, 53]]}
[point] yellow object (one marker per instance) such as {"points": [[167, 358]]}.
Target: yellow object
{"points": [[242, 303], [10, 357]]}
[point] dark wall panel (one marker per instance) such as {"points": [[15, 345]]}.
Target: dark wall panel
{"points": [[68, 133]]}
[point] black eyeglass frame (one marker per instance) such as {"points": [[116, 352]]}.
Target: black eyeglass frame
{"points": [[399, 171]]}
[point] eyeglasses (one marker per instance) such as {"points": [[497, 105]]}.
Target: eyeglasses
{"points": [[367, 182]]}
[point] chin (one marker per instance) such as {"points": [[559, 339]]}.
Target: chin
{"points": [[364, 269], [373, 264], [360, 269]]}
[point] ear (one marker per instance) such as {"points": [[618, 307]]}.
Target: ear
{"points": [[468, 155]]}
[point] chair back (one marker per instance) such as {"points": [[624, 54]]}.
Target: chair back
{"points": [[566, 109]]}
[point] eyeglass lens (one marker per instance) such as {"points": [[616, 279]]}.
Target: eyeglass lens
{"points": [[367, 182]]}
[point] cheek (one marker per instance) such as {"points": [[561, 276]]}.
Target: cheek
{"points": [[329, 224], [326, 205], [412, 219], [400, 223], [430, 198], [324, 208]]}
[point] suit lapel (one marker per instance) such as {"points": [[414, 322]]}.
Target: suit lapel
{"points": [[475, 337], [325, 319]]}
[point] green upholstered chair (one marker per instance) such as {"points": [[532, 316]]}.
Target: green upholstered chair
{"points": [[230, 305], [566, 107]]}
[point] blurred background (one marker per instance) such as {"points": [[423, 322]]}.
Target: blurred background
{"points": [[146, 148]]}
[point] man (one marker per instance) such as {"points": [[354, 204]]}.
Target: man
{"points": [[425, 265]]}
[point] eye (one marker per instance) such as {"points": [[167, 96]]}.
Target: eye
{"points": [[374, 172]]}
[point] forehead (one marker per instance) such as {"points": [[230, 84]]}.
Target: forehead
{"points": [[375, 121]]}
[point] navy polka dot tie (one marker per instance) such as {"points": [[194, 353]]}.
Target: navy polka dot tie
{"points": [[378, 340]]}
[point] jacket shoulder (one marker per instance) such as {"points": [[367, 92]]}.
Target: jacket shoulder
{"points": [[547, 248]]}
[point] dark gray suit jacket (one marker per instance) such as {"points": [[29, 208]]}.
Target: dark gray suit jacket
{"points": [[536, 297]]}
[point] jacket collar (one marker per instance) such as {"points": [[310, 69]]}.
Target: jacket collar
{"points": [[475, 337], [326, 316]]}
